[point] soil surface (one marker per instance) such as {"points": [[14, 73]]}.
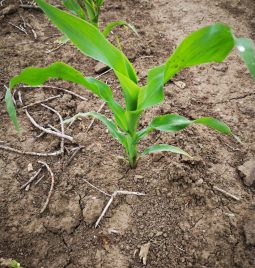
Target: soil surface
{"points": [[186, 220]]}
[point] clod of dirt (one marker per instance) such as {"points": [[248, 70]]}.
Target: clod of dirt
{"points": [[100, 68], [9, 10], [221, 67], [180, 84], [120, 221], [5, 263], [247, 171], [249, 231], [157, 156], [113, 259], [65, 213], [81, 107], [92, 210], [144, 251]]}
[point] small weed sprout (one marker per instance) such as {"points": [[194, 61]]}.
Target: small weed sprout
{"points": [[89, 10], [208, 44]]}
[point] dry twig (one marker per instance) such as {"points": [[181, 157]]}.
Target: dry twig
{"points": [[60, 135], [61, 125], [110, 201], [93, 120], [10, 149], [60, 89], [42, 101], [226, 193], [73, 155], [51, 186], [31, 179]]}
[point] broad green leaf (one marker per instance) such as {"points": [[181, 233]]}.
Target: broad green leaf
{"points": [[89, 40], [153, 92], [38, 76], [130, 90], [109, 124], [208, 44], [74, 7], [175, 122], [246, 49], [11, 108], [163, 148], [170, 122], [108, 28]]}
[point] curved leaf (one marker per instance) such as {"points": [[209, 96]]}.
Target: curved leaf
{"points": [[89, 40], [208, 44], [38, 76], [153, 92], [130, 90], [109, 124], [163, 148], [246, 49], [74, 7], [11, 108], [114, 24], [175, 122], [214, 124]]}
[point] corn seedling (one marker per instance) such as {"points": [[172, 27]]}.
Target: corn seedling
{"points": [[89, 10], [208, 44]]}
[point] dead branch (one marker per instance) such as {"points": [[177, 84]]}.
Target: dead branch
{"points": [[51, 186], [10, 149]]}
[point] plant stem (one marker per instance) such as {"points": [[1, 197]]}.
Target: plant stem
{"points": [[132, 151]]}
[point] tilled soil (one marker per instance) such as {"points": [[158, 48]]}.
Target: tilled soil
{"points": [[187, 222]]}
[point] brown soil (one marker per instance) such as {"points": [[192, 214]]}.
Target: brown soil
{"points": [[187, 222]]}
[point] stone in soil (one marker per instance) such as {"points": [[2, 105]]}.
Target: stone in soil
{"points": [[92, 210], [100, 68], [247, 171], [65, 213]]}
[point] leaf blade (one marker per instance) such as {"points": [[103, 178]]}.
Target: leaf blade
{"points": [[108, 28], [164, 148], [89, 40], [246, 50]]}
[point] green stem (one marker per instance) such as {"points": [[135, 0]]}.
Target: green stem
{"points": [[132, 151]]}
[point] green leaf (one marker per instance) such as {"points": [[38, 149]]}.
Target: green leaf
{"points": [[214, 124], [11, 108], [246, 49], [108, 28], [89, 40], [130, 90], [163, 148], [175, 122], [132, 118], [38, 76], [170, 122], [209, 44], [74, 7], [153, 92], [109, 124], [91, 12]]}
